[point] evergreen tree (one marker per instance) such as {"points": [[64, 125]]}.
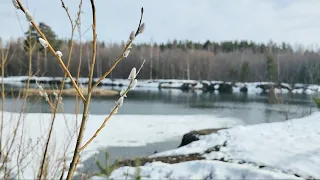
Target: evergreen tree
{"points": [[32, 36], [271, 67], [245, 71]]}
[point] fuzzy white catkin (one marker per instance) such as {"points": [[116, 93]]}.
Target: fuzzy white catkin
{"points": [[133, 84], [115, 111], [15, 4], [122, 93], [133, 74], [59, 53], [126, 53], [41, 93], [132, 35], [46, 96], [28, 16], [141, 28], [120, 102], [43, 42], [40, 87], [55, 95]]}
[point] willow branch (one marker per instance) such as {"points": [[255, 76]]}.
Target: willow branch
{"points": [[109, 116], [128, 45], [54, 53]]}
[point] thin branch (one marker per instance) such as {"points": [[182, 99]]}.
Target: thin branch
{"points": [[54, 53], [109, 116], [128, 45], [67, 11], [139, 26]]}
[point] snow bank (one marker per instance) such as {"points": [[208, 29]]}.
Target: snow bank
{"points": [[201, 169], [121, 130], [291, 146]]}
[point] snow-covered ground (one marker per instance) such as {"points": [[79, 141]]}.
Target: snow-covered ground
{"points": [[264, 151], [251, 87], [121, 130], [199, 169]]}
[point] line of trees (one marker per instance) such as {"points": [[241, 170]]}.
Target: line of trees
{"points": [[226, 61]]}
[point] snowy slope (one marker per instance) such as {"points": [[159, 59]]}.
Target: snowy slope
{"points": [[281, 148], [201, 169]]}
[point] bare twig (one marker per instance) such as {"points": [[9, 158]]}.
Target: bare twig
{"points": [[3, 61], [79, 68], [128, 45]]}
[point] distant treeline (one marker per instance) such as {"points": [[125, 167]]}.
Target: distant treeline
{"points": [[226, 61]]}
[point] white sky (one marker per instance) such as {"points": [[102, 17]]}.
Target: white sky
{"points": [[293, 21]]}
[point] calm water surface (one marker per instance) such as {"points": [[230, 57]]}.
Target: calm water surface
{"points": [[251, 108]]}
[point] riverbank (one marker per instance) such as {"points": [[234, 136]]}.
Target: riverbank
{"points": [[281, 150], [203, 85]]}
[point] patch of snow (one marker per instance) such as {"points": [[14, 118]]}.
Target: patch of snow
{"points": [[284, 90], [201, 169], [235, 89], [297, 91], [299, 85], [104, 81], [170, 85], [309, 91], [277, 90], [266, 83], [198, 86], [313, 87], [216, 82], [148, 83], [254, 90], [206, 82], [239, 84], [288, 86]]}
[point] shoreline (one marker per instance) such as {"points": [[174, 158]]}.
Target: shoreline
{"points": [[185, 85], [292, 153]]}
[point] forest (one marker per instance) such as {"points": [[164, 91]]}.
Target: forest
{"points": [[244, 61]]}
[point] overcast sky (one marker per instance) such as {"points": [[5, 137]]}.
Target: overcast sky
{"points": [[293, 21]]}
